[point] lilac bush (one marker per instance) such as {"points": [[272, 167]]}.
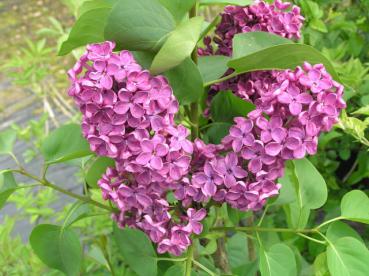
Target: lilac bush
{"points": [[128, 115]]}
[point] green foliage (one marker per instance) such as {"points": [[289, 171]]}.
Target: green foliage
{"points": [[225, 106], [58, 248], [89, 28], [285, 56], [7, 140], [178, 46], [145, 24], [65, 143], [7, 186], [347, 256], [355, 206], [178, 8], [278, 260], [96, 167], [136, 250], [226, 2], [186, 82], [212, 67]]}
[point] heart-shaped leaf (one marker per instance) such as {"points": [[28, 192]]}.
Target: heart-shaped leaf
{"points": [[96, 169], [225, 106], [339, 229], [65, 143], [355, 206], [89, 28], [139, 25], [186, 81], [212, 67], [178, 8], [312, 189], [278, 260], [136, 250], [57, 248], [348, 257]]}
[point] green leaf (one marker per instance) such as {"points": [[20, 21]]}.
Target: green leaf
{"points": [[212, 67], [362, 111], [7, 186], [245, 44], [355, 206], [178, 46], [97, 169], [89, 28], [7, 140], [136, 250], [236, 248], [339, 229], [281, 57], [178, 8], [139, 24], [318, 25], [320, 265], [216, 132], [56, 248], [65, 143], [95, 4], [312, 187], [175, 270], [144, 58], [225, 106], [79, 210], [286, 193], [279, 260], [186, 82], [348, 257], [226, 2]]}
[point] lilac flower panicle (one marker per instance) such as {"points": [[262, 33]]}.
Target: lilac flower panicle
{"points": [[128, 115], [278, 18]]}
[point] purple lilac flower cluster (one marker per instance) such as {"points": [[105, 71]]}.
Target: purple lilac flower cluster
{"points": [[292, 109], [128, 115], [279, 18]]}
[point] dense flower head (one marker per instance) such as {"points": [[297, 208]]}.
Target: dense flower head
{"points": [[128, 115], [278, 18]]}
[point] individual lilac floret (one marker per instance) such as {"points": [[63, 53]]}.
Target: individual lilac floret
{"points": [[278, 18]]}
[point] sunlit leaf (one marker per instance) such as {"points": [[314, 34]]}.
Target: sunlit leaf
{"points": [[179, 45], [348, 257], [278, 260]]}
